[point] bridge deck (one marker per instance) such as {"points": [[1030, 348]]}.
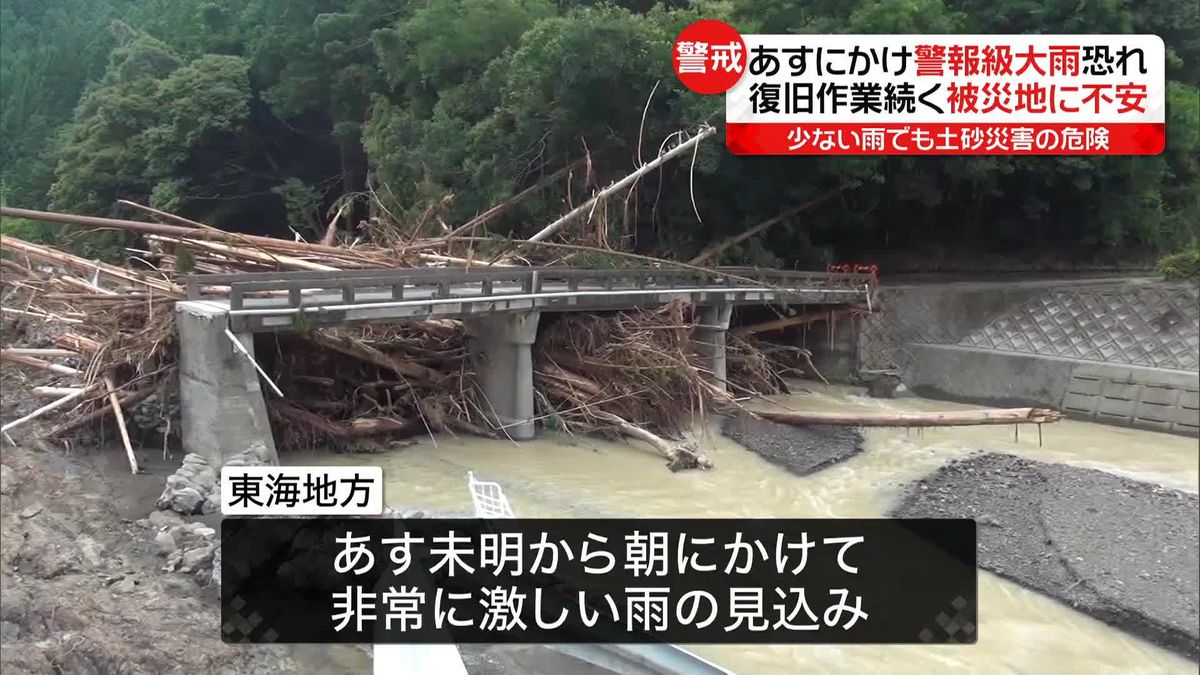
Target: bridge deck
{"points": [[274, 301]]}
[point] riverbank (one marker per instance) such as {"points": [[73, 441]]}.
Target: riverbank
{"points": [[82, 585], [580, 476], [1123, 551]]}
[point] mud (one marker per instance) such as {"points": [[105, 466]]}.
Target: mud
{"points": [[82, 589], [800, 450], [1122, 551]]}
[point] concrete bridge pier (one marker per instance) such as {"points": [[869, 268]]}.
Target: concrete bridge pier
{"points": [[220, 396], [712, 322], [501, 348]]}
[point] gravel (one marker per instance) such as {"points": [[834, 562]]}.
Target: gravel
{"points": [[800, 450], [1122, 551]]}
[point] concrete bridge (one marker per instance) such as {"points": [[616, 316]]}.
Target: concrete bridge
{"points": [[221, 393]]}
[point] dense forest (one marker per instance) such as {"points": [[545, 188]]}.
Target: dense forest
{"points": [[265, 115]]}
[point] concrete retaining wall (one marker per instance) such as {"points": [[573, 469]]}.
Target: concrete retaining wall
{"points": [[1097, 351], [1148, 398]]}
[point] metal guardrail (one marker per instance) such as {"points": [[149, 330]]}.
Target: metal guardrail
{"points": [[440, 283]]}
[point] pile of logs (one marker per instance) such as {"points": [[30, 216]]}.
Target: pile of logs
{"points": [[96, 339], [112, 325]]}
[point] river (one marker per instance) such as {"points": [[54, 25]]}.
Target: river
{"points": [[1021, 631]]}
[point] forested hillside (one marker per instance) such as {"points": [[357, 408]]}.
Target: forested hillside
{"points": [[260, 115]]}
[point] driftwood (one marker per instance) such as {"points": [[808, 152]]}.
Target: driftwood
{"points": [[58, 403], [277, 259], [679, 457], [45, 353], [120, 415], [638, 368], [958, 418], [77, 343], [7, 355], [789, 321], [375, 357], [758, 229], [590, 205], [55, 392], [84, 266], [88, 418], [499, 209], [357, 428], [38, 315]]}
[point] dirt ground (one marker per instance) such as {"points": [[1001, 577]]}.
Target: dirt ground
{"points": [[83, 589], [81, 586]]}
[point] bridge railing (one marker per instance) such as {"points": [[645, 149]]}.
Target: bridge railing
{"points": [[345, 287]]}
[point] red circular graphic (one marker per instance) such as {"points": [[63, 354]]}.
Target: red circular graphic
{"points": [[709, 57]]}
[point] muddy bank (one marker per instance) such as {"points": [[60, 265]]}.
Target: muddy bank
{"points": [[1122, 551], [83, 587], [800, 450]]}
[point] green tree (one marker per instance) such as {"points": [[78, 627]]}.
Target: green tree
{"points": [[155, 125], [49, 51]]}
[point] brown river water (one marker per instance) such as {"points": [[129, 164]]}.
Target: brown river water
{"points": [[1021, 631]]}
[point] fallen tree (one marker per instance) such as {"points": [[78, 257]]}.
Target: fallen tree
{"points": [[957, 418]]}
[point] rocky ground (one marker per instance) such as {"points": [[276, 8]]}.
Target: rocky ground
{"points": [[1122, 551], [800, 450]]}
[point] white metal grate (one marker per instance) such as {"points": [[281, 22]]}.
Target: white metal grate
{"points": [[488, 498]]}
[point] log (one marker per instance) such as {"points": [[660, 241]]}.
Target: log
{"points": [[83, 286], [572, 381], [789, 321], [314, 379], [77, 343], [358, 428], [42, 410], [957, 418], [761, 227], [38, 315], [375, 357], [83, 420], [296, 414], [6, 355], [466, 427], [252, 255], [373, 426], [45, 353], [55, 392], [500, 208], [205, 232], [117, 413], [590, 205], [679, 456], [54, 256]]}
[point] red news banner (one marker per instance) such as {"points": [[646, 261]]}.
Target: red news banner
{"points": [[931, 94]]}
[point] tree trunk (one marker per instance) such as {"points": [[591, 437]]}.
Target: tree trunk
{"points": [[958, 418]]}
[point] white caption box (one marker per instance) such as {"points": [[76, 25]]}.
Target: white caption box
{"points": [[301, 491]]}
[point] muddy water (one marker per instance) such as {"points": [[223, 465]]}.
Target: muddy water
{"points": [[1020, 630]]}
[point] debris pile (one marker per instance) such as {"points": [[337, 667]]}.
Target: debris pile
{"points": [[97, 341]]}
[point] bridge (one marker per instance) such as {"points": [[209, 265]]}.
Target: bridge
{"points": [[221, 394]]}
